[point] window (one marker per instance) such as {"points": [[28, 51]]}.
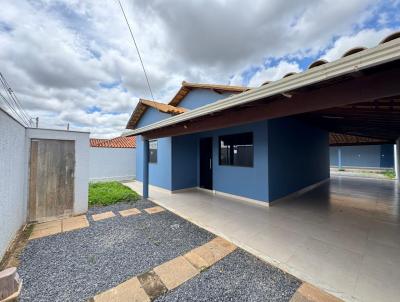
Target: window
{"points": [[153, 146], [236, 150]]}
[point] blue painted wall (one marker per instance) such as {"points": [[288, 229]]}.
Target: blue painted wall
{"points": [[298, 156], [184, 161], [250, 182], [160, 172], [370, 156], [200, 97], [387, 156], [333, 156], [151, 116]]}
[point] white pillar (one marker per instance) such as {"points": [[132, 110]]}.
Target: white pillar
{"points": [[396, 159]]}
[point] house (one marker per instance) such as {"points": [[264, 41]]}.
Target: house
{"points": [[112, 159], [265, 143], [235, 160], [350, 151]]}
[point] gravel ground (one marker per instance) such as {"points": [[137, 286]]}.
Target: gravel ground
{"points": [[238, 277], [75, 266]]}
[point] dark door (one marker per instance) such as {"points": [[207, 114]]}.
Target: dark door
{"points": [[206, 163]]}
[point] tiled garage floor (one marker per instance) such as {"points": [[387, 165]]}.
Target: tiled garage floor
{"points": [[343, 236]]}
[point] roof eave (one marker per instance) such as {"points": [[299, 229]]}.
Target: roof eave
{"points": [[380, 54]]}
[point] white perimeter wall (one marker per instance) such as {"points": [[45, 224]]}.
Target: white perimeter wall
{"points": [[13, 206], [14, 173], [112, 164]]}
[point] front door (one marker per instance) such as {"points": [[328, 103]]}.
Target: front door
{"points": [[206, 180]]}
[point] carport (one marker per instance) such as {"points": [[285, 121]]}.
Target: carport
{"points": [[357, 95], [342, 236]]}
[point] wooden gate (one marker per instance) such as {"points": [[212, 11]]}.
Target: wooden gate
{"points": [[51, 181]]}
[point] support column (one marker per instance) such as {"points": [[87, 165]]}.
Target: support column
{"points": [[397, 159], [146, 151], [339, 158]]}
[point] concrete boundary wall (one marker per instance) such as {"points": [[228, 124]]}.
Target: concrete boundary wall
{"points": [[14, 173], [107, 164], [13, 207]]}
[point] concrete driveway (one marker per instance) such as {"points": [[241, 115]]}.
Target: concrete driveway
{"points": [[343, 237]]}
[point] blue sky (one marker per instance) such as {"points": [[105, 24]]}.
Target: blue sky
{"points": [[73, 61]]}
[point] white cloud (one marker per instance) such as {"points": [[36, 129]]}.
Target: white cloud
{"points": [[364, 38], [273, 73], [56, 54]]}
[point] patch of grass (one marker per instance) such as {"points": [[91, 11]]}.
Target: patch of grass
{"points": [[107, 193], [390, 174]]}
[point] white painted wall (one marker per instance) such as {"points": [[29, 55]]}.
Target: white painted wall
{"points": [[13, 206], [81, 175], [112, 164]]}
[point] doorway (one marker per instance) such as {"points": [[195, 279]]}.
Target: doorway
{"points": [[206, 164]]}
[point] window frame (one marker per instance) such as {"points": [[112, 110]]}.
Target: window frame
{"points": [[156, 153], [231, 162]]}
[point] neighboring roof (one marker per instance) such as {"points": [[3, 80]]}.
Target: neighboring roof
{"points": [[95, 141], [352, 61], [142, 106], [187, 87], [338, 139], [117, 142]]}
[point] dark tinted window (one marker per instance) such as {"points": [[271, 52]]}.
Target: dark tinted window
{"points": [[153, 146], [236, 150]]}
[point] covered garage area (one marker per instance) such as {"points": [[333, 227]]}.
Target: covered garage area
{"points": [[344, 235]]}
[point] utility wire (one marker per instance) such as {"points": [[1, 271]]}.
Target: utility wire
{"points": [[15, 99], [20, 118], [13, 103], [12, 109], [138, 52]]}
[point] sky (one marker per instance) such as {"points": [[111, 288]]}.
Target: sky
{"points": [[73, 62]]}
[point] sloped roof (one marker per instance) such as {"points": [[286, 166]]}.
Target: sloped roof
{"points": [[117, 142], [172, 107], [142, 106], [338, 139], [354, 60], [187, 87]]}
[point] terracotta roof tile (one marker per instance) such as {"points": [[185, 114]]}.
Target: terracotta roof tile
{"points": [[144, 104], [187, 87], [339, 139], [95, 141], [117, 142]]}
